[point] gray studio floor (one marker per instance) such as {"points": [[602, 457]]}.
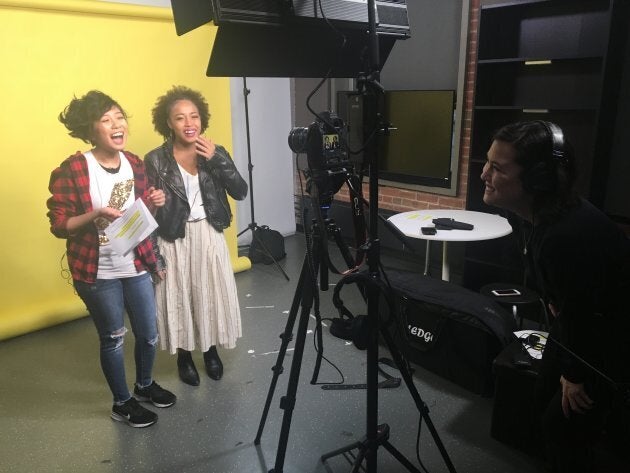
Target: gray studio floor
{"points": [[54, 404]]}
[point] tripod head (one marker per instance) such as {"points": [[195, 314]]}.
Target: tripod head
{"points": [[328, 167], [323, 141]]}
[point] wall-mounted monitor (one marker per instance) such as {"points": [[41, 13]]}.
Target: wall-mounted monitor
{"points": [[418, 147]]}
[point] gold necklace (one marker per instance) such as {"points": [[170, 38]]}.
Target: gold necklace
{"points": [[121, 191]]}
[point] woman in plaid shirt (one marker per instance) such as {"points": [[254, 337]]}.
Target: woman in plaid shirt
{"points": [[89, 190]]}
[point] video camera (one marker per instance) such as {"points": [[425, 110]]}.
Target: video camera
{"points": [[323, 141]]}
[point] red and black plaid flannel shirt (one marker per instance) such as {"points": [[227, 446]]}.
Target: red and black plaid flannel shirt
{"points": [[70, 188]]}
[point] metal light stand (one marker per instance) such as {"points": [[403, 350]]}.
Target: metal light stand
{"points": [[305, 294], [377, 435], [373, 251], [253, 226]]}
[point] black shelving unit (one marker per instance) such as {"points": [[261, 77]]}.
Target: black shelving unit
{"points": [[556, 60]]}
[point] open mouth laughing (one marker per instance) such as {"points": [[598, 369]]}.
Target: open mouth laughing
{"points": [[118, 137]]}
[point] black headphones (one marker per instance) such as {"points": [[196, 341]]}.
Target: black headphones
{"points": [[543, 176], [349, 326]]}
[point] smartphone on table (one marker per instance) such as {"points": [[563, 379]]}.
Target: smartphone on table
{"points": [[505, 292]]}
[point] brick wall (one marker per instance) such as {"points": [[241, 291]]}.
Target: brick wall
{"points": [[402, 200]]}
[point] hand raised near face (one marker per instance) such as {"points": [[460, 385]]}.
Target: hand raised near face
{"points": [[205, 147], [156, 197]]}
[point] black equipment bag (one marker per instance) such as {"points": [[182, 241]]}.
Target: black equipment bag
{"points": [[449, 330], [264, 238]]}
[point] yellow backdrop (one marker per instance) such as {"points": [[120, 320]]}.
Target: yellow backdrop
{"points": [[50, 51]]}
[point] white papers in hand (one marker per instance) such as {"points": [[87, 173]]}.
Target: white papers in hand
{"points": [[135, 225]]}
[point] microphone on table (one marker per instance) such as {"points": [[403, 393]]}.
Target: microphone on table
{"points": [[451, 224]]}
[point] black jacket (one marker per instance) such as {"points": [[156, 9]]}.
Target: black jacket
{"points": [[217, 177], [581, 263]]}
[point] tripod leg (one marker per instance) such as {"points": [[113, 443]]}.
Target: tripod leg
{"points": [[286, 338], [341, 450], [318, 264], [287, 403], [364, 447], [400, 457], [372, 380], [321, 258], [249, 227], [266, 250], [422, 407], [335, 231], [320, 349], [357, 459]]}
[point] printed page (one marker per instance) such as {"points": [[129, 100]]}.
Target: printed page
{"points": [[126, 232]]}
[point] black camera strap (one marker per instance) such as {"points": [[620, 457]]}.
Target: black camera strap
{"points": [[357, 203]]}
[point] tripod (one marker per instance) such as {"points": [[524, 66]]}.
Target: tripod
{"points": [[305, 294], [253, 226], [316, 259], [377, 435], [368, 445]]}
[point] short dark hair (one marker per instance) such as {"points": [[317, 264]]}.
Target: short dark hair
{"points": [[81, 113], [549, 179], [165, 103]]}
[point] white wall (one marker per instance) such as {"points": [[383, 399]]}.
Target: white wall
{"points": [[269, 104]]}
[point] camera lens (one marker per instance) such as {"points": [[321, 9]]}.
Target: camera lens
{"points": [[297, 139]]}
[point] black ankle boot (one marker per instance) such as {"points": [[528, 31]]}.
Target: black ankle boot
{"points": [[187, 371], [214, 367]]}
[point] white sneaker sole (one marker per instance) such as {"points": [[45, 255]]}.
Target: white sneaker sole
{"points": [[120, 418], [148, 399]]}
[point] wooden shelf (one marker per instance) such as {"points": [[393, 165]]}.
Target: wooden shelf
{"points": [[557, 85], [558, 29], [530, 109], [542, 60]]}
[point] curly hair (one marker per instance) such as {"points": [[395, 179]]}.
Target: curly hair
{"points": [[81, 114], [165, 103]]}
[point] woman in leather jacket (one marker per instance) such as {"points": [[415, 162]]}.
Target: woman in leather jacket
{"points": [[196, 293]]}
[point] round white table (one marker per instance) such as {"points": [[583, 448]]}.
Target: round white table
{"points": [[486, 227]]}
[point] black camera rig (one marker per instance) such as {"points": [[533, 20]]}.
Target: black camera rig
{"points": [[324, 142]]}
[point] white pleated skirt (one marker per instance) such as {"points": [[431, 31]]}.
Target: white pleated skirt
{"points": [[197, 302]]}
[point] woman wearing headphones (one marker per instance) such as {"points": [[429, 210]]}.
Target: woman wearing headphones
{"points": [[580, 262]]}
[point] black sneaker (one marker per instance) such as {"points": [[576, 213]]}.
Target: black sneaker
{"points": [[134, 414], [155, 394]]}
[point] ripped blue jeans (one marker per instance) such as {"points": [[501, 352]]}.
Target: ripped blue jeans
{"points": [[106, 301]]}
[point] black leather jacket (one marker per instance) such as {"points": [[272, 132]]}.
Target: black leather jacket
{"points": [[217, 177]]}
